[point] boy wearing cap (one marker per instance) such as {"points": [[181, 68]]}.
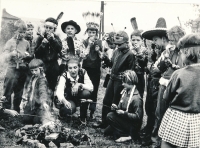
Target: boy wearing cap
{"points": [[71, 45], [17, 50], [123, 59], [47, 47]]}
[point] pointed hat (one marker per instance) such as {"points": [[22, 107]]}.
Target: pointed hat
{"points": [[159, 30]]}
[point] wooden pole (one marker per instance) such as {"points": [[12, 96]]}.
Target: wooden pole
{"points": [[101, 28]]}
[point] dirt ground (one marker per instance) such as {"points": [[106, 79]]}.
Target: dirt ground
{"points": [[8, 140]]}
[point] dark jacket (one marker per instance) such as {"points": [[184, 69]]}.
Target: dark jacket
{"points": [[135, 110], [92, 59], [121, 61], [48, 52], [182, 92]]}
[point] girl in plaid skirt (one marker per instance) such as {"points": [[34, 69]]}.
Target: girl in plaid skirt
{"points": [[180, 126]]}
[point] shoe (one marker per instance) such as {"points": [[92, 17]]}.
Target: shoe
{"points": [[123, 139], [1, 128], [99, 125]]}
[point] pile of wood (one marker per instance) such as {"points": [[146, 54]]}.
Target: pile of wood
{"points": [[52, 135]]}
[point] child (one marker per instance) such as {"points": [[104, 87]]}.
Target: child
{"points": [[180, 125], [127, 117], [71, 45], [74, 86], [92, 61], [17, 51], [36, 96], [141, 59]]}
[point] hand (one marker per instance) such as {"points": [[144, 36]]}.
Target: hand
{"points": [[13, 53], [50, 36], [27, 54], [91, 41], [66, 103], [168, 62], [45, 106], [75, 89], [120, 112], [97, 48], [45, 41], [114, 107], [11, 112]]}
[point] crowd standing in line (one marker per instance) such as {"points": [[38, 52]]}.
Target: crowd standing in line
{"points": [[170, 65]]}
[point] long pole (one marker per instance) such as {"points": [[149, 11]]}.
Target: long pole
{"points": [[101, 30]]}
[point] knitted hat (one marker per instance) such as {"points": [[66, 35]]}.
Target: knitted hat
{"points": [[121, 37], [190, 40], [71, 22], [176, 33], [159, 30], [29, 25], [35, 63], [20, 25], [92, 19]]}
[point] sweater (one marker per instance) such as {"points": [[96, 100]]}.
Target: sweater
{"points": [[22, 46], [182, 92]]}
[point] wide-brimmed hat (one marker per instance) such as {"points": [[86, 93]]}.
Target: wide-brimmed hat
{"points": [[160, 30], [71, 22]]}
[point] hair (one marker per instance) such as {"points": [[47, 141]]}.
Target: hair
{"points": [[131, 76], [29, 25], [92, 29], [137, 33], [190, 46], [176, 32], [192, 53], [19, 24], [36, 63]]}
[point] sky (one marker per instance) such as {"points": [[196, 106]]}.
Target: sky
{"points": [[117, 12]]}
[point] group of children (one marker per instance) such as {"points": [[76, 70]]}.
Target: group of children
{"points": [[38, 81]]}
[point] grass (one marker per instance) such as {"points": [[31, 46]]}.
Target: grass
{"points": [[7, 138]]}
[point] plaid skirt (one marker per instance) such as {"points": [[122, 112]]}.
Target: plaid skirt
{"points": [[180, 129]]}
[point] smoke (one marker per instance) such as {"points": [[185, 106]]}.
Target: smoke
{"points": [[46, 115]]}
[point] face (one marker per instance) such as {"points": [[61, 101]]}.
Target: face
{"points": [[158, 42], [91, 33], [20, 34], [29, 32], [73, 69], [35, 72], [118, 39], [136, 42], [127, 83], [49, 27], [172, 40], [70, 30]]}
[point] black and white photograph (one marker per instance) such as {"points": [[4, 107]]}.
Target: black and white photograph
{"points": [[92, 74]]}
